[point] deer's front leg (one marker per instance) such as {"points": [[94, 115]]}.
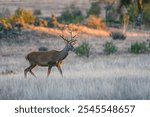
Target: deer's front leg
{"points": [[49, 70], [59, 69], [59, 62]]}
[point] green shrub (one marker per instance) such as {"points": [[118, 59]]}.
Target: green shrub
{"points": [[37, 12], [118, 36], [148, 47], [131, 13], [37, 22], [94, 9], [71, 14], [83, 49], [146, 14], [109, 48], [111, 16], [139, 48]]}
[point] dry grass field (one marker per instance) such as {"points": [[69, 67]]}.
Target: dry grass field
{"points": [[117, 76]]}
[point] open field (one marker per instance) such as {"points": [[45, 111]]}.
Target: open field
{"points": [[118, 76]]}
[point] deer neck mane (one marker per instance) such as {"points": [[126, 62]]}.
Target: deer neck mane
{"points": [[63, 53]]}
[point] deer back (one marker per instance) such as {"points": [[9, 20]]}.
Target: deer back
{"points": [[42, 58]]}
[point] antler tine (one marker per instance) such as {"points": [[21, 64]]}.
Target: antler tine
{"points": [[64, 38], [69, 29], [71, 33], [73, 42], [74, 36]]}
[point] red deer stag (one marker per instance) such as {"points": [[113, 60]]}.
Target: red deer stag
{"points": [[50, 58]]}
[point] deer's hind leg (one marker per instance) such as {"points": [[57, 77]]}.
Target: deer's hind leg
{"points": [[29, 69]]}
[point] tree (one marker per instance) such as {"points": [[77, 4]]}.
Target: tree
{"points": [[137, 19]]}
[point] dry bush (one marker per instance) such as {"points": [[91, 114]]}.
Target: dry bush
{"points": [[5, 23], [95, 22], [26, 15], [43, 23], [53, 21]]}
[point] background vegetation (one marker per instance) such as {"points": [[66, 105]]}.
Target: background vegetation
{"points": [[83, 49], [109, 48]]}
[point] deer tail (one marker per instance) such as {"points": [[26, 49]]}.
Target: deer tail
{"points": [[27, 57]]}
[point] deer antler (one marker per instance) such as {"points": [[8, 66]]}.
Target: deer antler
{"points": [[70, 31], [64, 38]]}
